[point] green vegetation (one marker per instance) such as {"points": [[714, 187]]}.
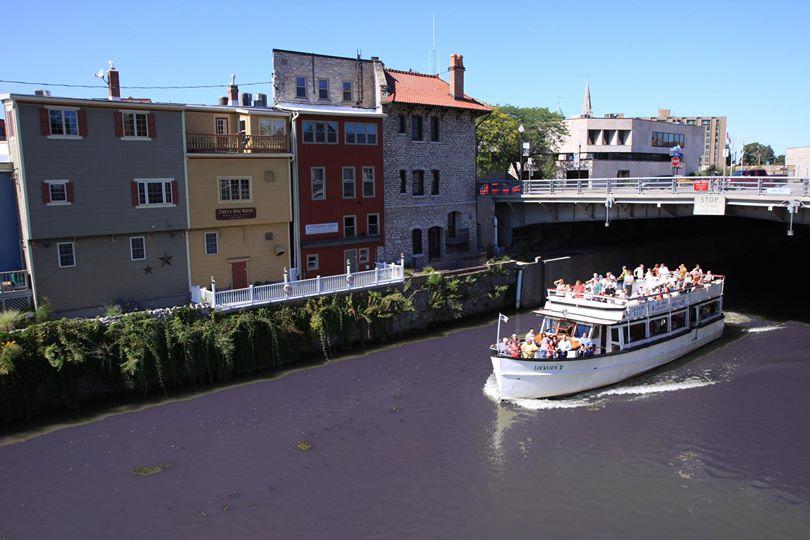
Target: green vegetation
{"points": [[64, 362], [499, 142]]}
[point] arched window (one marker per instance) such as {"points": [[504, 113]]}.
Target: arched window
{"points": [[416, 241]]}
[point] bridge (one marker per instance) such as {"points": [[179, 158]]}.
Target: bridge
{"points": [[533, 202]]}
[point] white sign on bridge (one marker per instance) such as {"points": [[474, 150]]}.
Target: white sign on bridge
{"points": [[709, 204]]}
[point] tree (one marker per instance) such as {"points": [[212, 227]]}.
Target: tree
{"points": [[499, 141], [780, 160], [758, 154]]}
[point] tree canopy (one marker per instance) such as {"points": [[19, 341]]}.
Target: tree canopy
{"points": [[499, 141], [758, 154]]}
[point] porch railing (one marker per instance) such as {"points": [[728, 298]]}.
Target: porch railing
{"points": [[15, 290], [383, 275], [236, 143]]}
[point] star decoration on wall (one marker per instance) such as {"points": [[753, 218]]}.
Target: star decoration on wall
{"points": [[166, 260], [147, 269]]}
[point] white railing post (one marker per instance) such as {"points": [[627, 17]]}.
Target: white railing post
{"points": [[402, 261], [287, 289], [250, 291], [759, 186], [376, 274], [348, 274], [213, 292], [318, 284]]}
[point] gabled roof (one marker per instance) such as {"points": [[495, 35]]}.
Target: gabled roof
{"points": [[422, 89]]}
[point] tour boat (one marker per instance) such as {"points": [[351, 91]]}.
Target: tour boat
{"points": [[628, 337]]}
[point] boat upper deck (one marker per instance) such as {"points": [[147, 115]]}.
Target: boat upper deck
{"points": [[608, 309]]}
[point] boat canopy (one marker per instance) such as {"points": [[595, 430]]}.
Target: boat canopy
{"points": [[578, 316]]}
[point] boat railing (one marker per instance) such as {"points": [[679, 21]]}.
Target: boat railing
{"points": [[695, 293]]}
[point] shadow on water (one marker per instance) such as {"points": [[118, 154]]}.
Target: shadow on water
{"points": [[47, 422]]}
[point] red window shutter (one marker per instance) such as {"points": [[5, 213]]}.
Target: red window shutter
{"points": [[134, 189], [119, 124], [69, 190], [175, 192], [83, 123], [46, 192], [150, 119], [44, 121]]}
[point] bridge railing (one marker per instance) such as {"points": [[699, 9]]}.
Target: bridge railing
{"points": [[749, 185]]}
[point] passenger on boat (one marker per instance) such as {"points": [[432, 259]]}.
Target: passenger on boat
{"points": [[578, 289], [564, 346], [513, 349], [502, 346], [528, 349], [530, 335], [682, 271]]}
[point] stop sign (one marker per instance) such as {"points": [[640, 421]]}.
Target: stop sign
{"points": [[676, 161]]}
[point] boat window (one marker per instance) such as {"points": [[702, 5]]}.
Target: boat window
{"points": [[678, 320], [707, 310], [695, 319], [583, 329], [638, 332], [658, 326], [614, 334]]}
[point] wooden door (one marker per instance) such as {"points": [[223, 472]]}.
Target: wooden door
{"points": [[434, 243], [239, 278]]}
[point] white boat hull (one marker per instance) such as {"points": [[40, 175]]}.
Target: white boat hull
{"points": [[532, 379]]}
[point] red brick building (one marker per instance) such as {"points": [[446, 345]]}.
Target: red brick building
{"points": [[338, 172]]}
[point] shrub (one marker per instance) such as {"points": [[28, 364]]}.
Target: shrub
{"points": [[10, 320]]}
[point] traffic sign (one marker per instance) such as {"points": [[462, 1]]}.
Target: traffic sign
{"points": [[676, 161]]}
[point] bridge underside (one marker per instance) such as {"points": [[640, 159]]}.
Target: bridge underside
{"points": [[512, 214]]}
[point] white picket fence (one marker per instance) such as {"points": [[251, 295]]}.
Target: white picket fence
{"points": [[383, 275]]}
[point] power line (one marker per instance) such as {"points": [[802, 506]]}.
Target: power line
{"points": [[131, 87]]}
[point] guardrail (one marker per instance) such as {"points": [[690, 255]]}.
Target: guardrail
{"points": [[747, 185], [15, 290], [383, 275]]}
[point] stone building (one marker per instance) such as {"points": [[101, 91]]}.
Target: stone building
{"points": [[429, 165]]}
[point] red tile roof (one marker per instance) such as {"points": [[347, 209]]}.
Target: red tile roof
{"points": [[421, 89]]}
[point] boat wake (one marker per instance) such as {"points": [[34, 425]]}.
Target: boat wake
{"points": [[597, 399]]}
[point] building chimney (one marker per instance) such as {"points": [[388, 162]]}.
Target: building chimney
{"points": [[223, 100], [42, 93], [247, 99], [260, 101], [113, 83], [233, 92], [457, 76]]}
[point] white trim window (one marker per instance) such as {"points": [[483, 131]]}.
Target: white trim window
{"points": [[373, 224], [347, 91], [313, 262], [349, 183], [136, 124], [361, 133], [320, 132], [211, 243], [362, 256], [235, 189], [57, 192], [66, 252], [318, 183], [64, 122], [155, 192], [301, 87], [221, 125], [368, 175], [349, 226], [137, 248]]}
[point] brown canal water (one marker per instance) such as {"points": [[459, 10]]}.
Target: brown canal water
{"points": [[409, 442]]}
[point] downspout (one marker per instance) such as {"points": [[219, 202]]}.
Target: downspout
{"points": [[295, 197], [495, 225], [519, 288]]}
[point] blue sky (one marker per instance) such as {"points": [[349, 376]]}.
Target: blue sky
{"points": [[747, 60]]}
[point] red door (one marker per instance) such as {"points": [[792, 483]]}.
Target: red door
{"points": [[239, 275]]}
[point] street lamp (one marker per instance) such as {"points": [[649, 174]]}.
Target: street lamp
{"points": [[521, 129]]}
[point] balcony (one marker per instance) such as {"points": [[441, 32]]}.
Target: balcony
{"points": [[206, 143], [15, 290]]}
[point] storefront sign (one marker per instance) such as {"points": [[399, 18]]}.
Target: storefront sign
{"points": [[710, 204], [321, 228], [235, 213]]}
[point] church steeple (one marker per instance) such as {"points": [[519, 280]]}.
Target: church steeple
{"points": [[587, 112]]}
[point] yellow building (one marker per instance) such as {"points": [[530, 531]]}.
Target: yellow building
{"points": [[239, 195]]}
